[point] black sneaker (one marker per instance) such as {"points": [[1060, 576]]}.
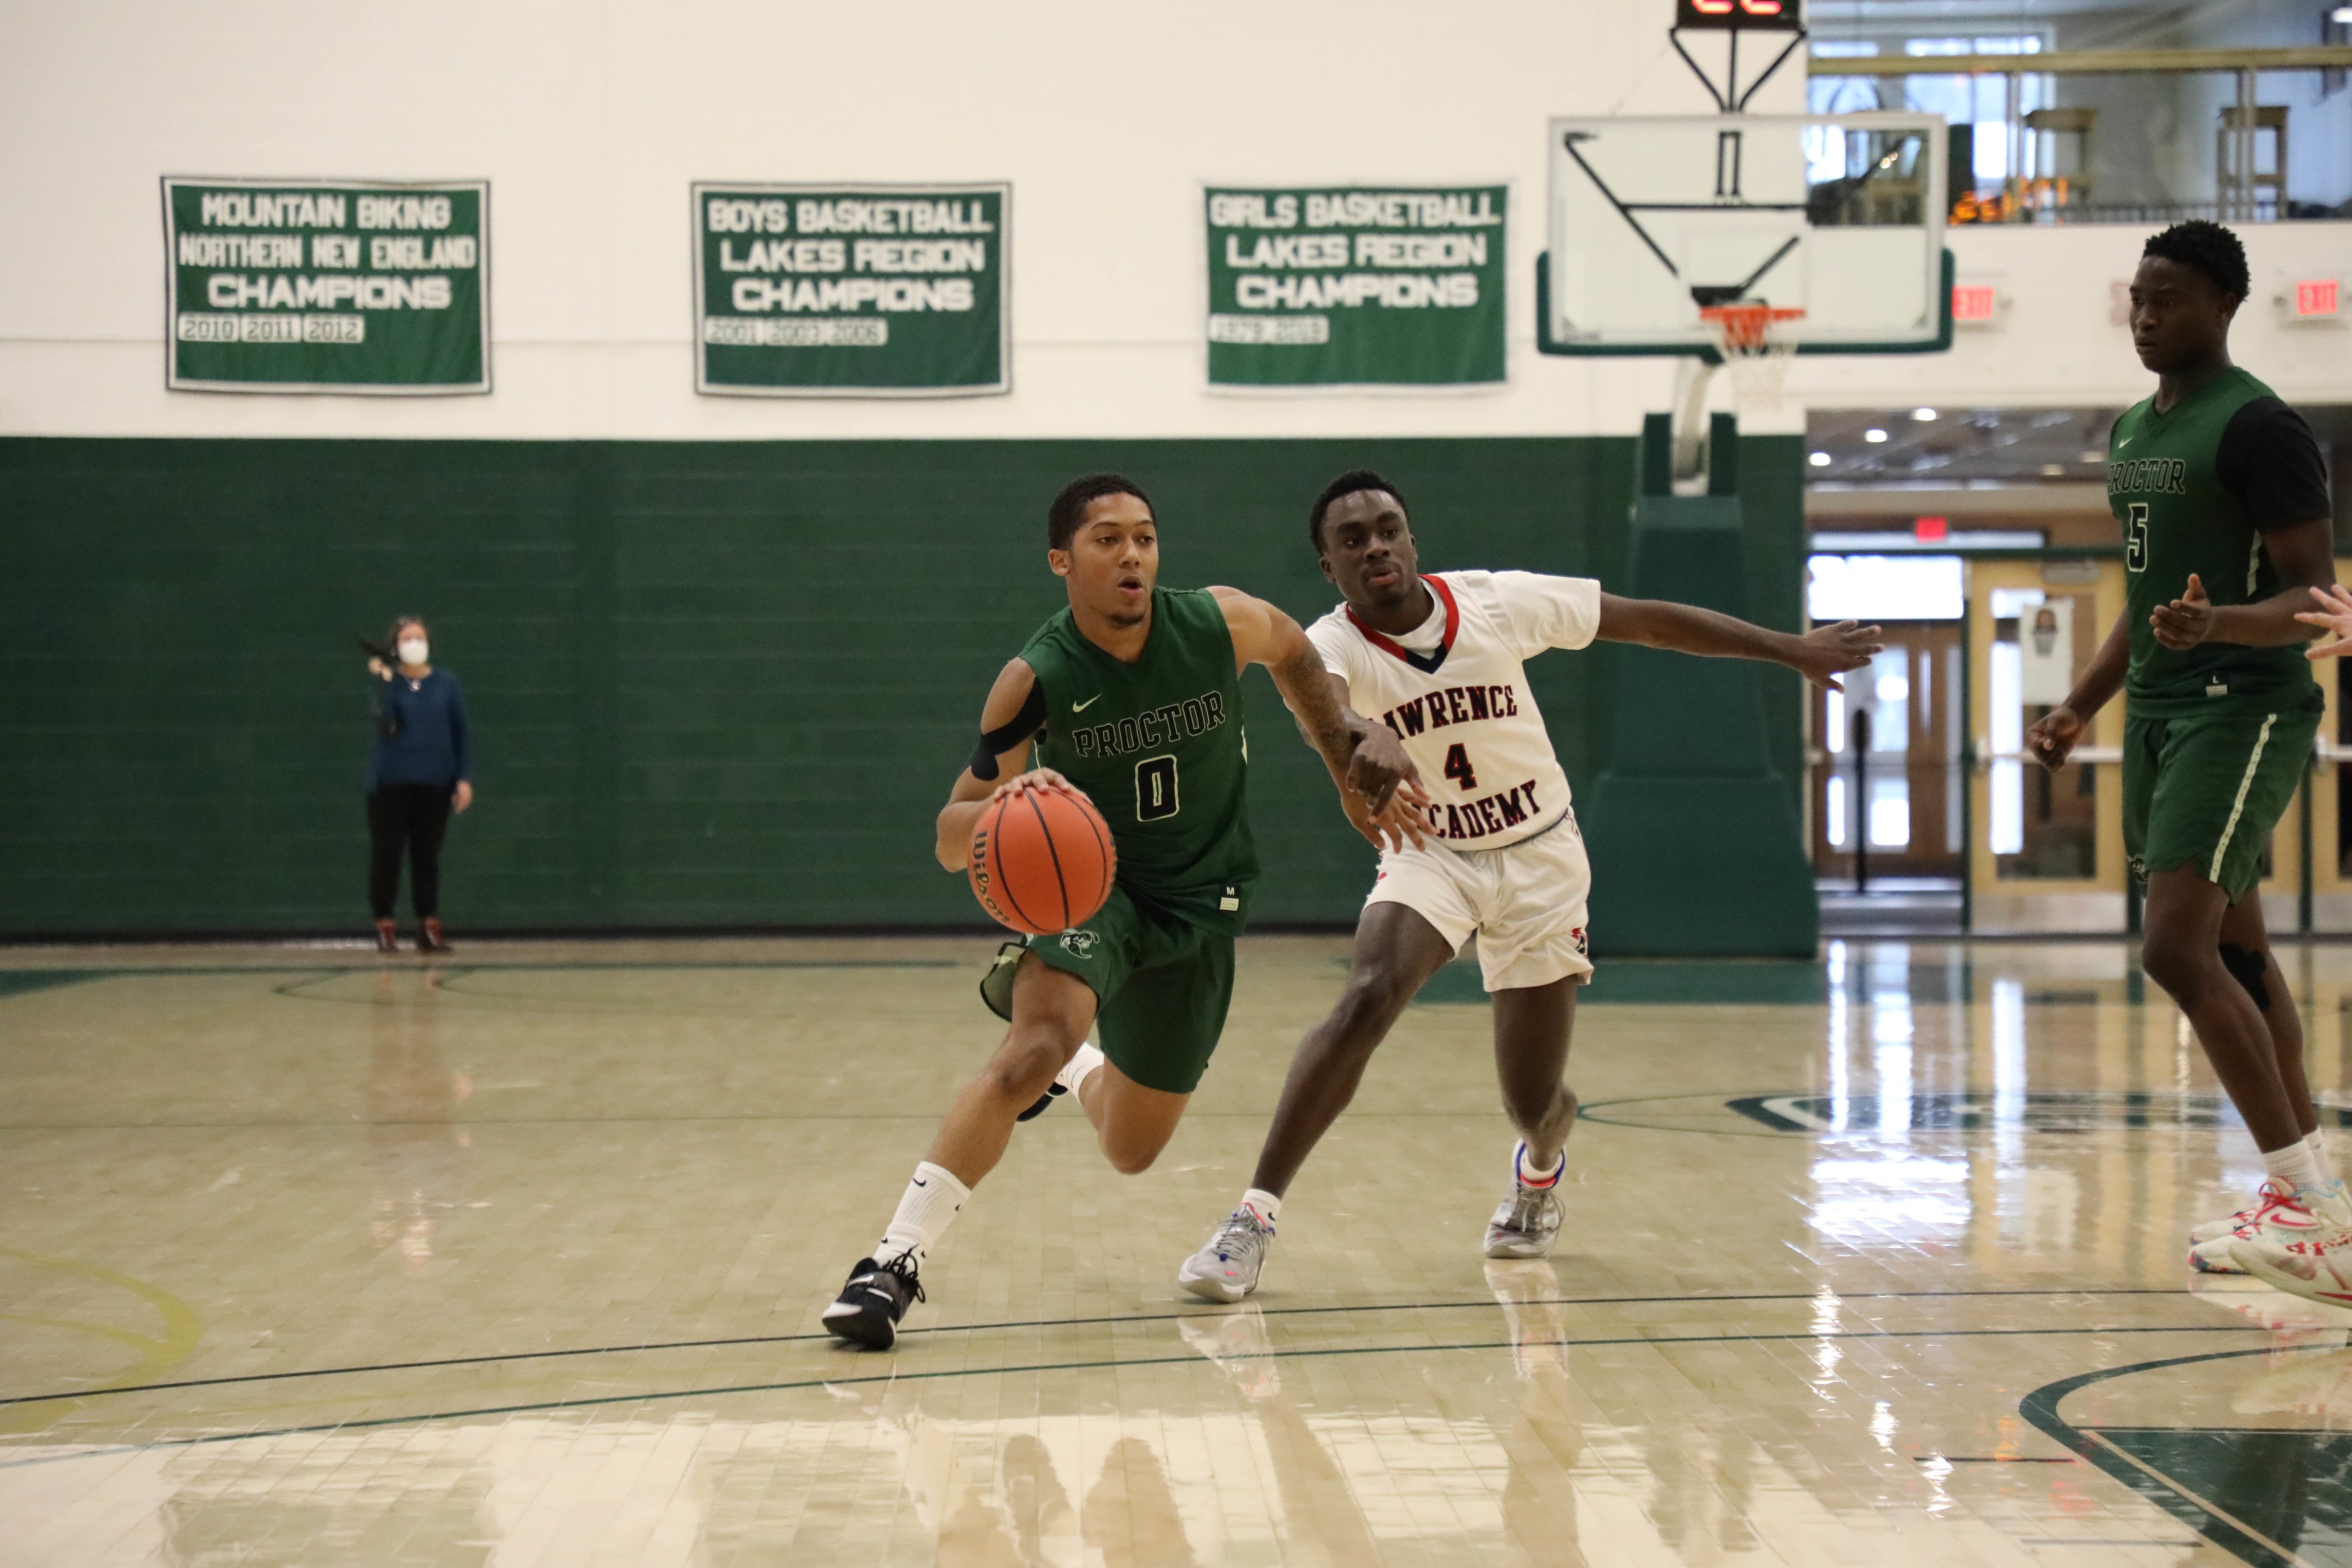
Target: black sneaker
{"points": [[871, 1304], [1044, 1101]]}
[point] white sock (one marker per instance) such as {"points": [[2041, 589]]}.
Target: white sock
{"points": [[1527, 1177], [2293, 1165], [1264, 1204], [1079, 1068], [932, 1200], [2316, 1142]]}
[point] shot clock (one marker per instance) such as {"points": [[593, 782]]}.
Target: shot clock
{"points": [[1729, 16]]}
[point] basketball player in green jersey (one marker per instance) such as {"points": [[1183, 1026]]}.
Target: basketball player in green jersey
{"points": [[1133, 696], [2222, 499]]}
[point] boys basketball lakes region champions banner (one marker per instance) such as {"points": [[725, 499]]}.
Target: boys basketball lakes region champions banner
{"points": [[851, 290], [1399, 285], [342, 285]]}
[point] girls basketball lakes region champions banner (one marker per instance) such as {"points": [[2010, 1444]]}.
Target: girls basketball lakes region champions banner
{"points": [[1390, 286], [851, 290], [340, 285]]}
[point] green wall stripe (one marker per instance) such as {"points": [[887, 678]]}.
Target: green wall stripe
{"points": [[712, 683]]}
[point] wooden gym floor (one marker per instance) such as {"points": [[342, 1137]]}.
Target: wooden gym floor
{"points": [[517, 1259]]}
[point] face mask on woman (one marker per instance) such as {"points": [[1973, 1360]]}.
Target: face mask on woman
{"points": [[413, 649]]}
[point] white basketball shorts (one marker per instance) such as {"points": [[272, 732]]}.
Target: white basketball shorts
{"points": [[1526, 902]]}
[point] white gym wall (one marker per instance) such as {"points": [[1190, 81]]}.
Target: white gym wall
{"points": [[2056, 342], [589, 123]]}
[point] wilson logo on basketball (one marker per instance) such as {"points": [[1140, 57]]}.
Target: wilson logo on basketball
{"points": [[1042, 859]]}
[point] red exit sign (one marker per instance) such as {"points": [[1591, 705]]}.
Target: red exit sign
{"points": [[1975, 303], [2317, 297]]}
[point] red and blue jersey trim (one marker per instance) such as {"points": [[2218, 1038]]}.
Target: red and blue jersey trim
{"points": [[1427, 663]]}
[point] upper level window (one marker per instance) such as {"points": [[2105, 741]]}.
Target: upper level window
{"points": [[1998, 147]]}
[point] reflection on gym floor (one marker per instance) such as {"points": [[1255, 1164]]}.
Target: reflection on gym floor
{"points": [[1874, 1258]]}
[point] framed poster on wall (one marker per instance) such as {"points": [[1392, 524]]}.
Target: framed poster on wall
{"points": [[851, 290], [1368, 286], [327, 286]]}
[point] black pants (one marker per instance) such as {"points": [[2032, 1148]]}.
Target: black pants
{"points": [[414, 816]]}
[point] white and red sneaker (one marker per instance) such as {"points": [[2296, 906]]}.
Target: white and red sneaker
{"points": [[2316, 1268], [2215, 1229], [2280, 1214]]}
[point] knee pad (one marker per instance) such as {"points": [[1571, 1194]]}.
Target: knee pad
{"points": [[2248, 967]]}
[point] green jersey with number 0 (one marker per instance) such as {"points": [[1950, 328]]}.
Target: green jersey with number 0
{"points": [[2178, 517], [1157, 746]]}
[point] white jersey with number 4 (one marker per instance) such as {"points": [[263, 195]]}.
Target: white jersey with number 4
{"points": [[1455, 692]]}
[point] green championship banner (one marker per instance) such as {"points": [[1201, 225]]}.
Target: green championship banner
{"points": [[851, 290], [327, 286], [1356, 286]]}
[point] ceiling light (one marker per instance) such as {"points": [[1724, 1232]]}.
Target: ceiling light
{"points": [[1820, 459], [1874, 437], [2341, 16], [1922, 415], [2090, 456], [2053, 470]]}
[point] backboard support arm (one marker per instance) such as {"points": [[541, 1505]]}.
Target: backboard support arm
{"points": [[1777, 60], [1728, 99]]}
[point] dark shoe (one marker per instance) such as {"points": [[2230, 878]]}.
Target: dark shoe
{"points": [[871, 1304], [1045, 1103], [429, 939], [386, 941]]}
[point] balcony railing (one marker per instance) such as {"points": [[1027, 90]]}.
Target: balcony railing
{"points": [[2252, 142]]}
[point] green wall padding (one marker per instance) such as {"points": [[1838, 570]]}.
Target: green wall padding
{"points": [[711, 684]]}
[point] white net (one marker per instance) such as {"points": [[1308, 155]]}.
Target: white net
{"points": [[1757, 354]]}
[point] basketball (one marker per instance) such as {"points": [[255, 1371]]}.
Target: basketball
{"points": [[1041, 860]]}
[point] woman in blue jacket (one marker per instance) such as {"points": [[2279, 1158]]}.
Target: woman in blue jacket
{"points": [[421, 770]]}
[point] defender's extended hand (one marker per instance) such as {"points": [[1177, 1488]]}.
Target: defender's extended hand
{"points": [[1397, 826], [2053, 736], [2187, 621], [1379, 767], [1827, 652], [2334, 616]]}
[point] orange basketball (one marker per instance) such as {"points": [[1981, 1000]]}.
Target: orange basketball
{"points": [[1041, 860]]}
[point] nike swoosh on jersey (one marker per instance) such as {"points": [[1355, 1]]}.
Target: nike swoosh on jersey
{"points": [[1082, 707], [2122, 443]]}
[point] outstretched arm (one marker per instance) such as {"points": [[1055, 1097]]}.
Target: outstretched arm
{"points": [[1006, 734], [2333, 617], [1820, 656], [2305, 555], [1366, 757]]}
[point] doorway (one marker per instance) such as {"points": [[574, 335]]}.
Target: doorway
{"points": [[1888, 807]]}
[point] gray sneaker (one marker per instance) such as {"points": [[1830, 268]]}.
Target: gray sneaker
{"points": [[1227, 1269], [1526, 1224]]}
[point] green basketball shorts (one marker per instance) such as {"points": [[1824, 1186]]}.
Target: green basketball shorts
{"points": [[2204, 791], [1161, 987]]}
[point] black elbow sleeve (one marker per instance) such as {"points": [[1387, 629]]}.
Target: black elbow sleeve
{"points": [[1004, 737]]}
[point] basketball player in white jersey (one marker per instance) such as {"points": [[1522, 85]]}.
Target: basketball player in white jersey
{"points": [[1497, 852]]}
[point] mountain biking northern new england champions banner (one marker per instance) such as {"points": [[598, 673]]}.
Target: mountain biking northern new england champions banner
{"points": [[1358, 286], [337, 286], [851, 291]]}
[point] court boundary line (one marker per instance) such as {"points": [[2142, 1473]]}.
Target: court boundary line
{"points": [[1205, 1310], [74, 975], [1193, 1359], [2216, 1525]]}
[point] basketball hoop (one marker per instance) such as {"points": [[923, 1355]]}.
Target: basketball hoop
{"points": [[1759, 356]]}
